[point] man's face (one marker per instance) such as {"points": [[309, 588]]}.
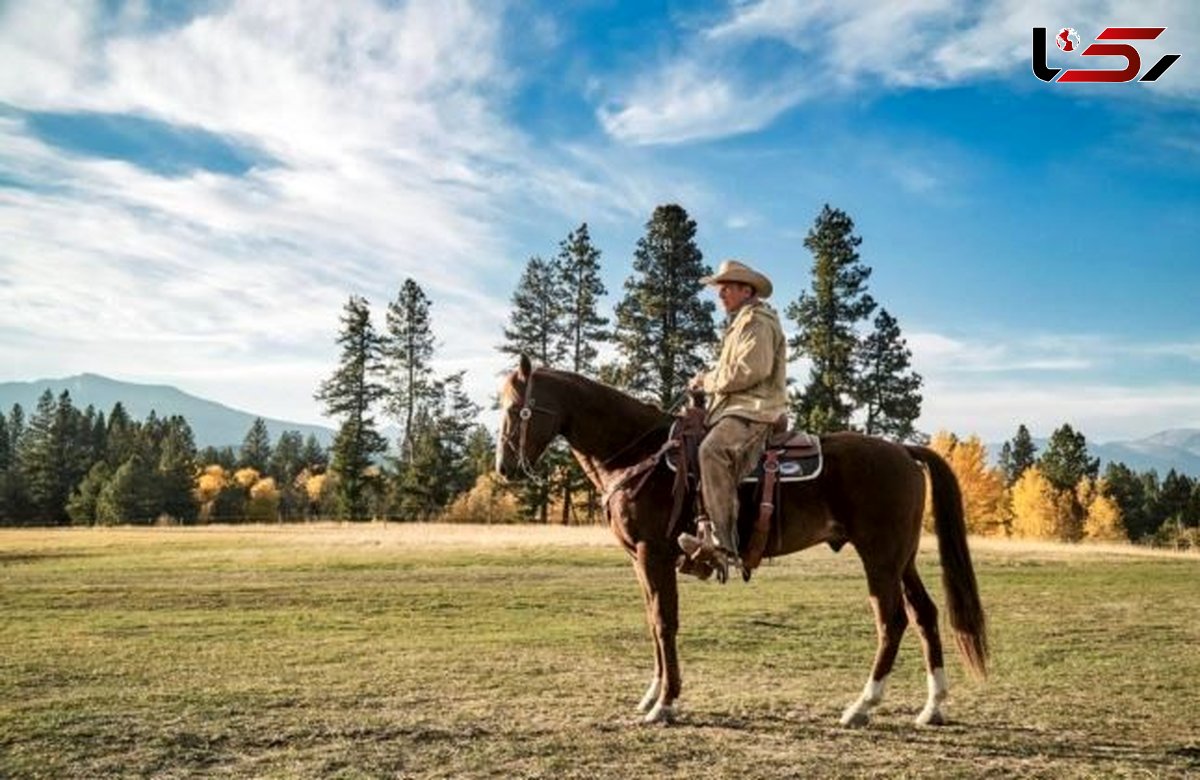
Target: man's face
{"points": [[733, 295]]}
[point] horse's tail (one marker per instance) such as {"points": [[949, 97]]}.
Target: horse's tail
{"points": [[958, 576]]}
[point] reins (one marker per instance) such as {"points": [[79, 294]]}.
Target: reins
{"points": [[642, 469]]}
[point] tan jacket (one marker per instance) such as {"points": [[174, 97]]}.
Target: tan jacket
{"points": [[750, 378]]}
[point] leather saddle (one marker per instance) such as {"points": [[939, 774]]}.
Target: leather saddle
{"points": [[798, 454]]}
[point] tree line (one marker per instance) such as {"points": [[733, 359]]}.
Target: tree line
{"points": [[1061, 493], [660, 333], [63, 465], [66, 465]]}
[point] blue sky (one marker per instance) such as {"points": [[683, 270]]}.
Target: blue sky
{"points": [[190, 191]]}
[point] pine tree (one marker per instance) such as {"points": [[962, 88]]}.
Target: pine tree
{"points": [[441, 467], [287, 458], [481, 451], [537, 329], [887, 386], [176, 470], [287, 463], [41, 463], [1017, 455], [407, 350], [349, 394], [664, 328], [120, 436], [1151, 503], [314, 456], [13, 497], [256, 447], [535, 326], [1174, 498], [578, 265], [1066, 460], [16, 428], [84, 499], [218, 456], [1128, 492], [6, 445], [826, 318], [455, 424], [127, 497]]}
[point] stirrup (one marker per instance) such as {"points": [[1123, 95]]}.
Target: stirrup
{"points": [[701, 570]]}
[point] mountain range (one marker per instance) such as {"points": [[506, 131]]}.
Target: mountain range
{"points": [[219, 425], [1175, 448], [212, 423]]}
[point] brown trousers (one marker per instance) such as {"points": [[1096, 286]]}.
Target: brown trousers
{"points": [[728, 453]]}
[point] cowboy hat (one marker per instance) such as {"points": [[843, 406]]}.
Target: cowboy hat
{"points": [[733, 271]]}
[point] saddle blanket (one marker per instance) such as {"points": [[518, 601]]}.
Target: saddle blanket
{"points": [[799, 456]]}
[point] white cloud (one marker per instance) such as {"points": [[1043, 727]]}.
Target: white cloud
{"points": [[716, 85], [989, 386], [391, 157], [1103, 412], [690, 100]]}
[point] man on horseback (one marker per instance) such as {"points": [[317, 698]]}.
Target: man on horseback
{"points": [[747, 394]]}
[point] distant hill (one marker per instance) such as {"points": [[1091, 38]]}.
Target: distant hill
{"points": [[1175, 448], [212, 423]]}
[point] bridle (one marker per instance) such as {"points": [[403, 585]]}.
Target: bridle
{"points": [[528, 407]]}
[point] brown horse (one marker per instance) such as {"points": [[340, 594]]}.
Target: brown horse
{"points": [[870, 493]]}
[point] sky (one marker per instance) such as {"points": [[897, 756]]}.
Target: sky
{"points": [[190, 191]]}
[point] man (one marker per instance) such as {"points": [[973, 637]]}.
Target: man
{"points": [[747, 394]]}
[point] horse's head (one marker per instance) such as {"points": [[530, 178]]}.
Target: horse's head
{"points": [[530, 419]]}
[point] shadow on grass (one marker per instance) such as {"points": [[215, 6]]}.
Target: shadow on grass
{"points": [[1001, 742]]}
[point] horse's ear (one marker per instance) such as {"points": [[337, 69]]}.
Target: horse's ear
{"points": [[524, 368]]}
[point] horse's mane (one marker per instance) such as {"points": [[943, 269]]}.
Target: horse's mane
{"points": [[611, 395]]}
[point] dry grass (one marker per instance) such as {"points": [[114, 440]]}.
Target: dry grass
{"points": [[457, 651]]}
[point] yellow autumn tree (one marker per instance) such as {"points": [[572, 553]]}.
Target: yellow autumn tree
{"points": [[1041, 512], [486, 502], [246, 477], [1102, 521], [984, 500], [209, 482], [318, 490], [263, 505], [982, 488]]}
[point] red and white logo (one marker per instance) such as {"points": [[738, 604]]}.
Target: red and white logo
{"points": [[1068, 41]]}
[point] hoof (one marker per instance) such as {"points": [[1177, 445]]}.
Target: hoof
{"points": [[647, 702], [931, 718], [855, 719], [660, 713]]}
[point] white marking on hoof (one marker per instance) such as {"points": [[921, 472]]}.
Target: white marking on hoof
{"points": [[855, 718], [931, 717], [660, 713], [651, 696], [858, 714], [938, 690]]}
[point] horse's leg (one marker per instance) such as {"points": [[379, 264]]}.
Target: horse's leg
{"points": [[925, 614], [890, 622], [659, 570], [652, 692]]}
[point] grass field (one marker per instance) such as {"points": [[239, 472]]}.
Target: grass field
{"points": [[435, 651]]}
